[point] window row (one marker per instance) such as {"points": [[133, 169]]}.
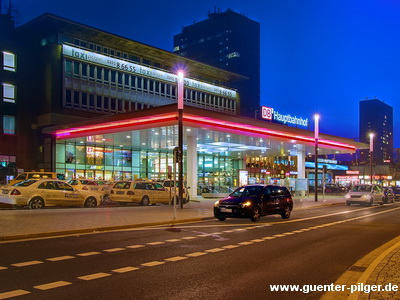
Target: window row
{"points": [[117, 53], [133, 58], [9, 93], [87, 101], [86, 72], [9, 125], [9, 61]]}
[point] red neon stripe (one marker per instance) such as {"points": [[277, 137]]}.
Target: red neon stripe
{"points": [[263, 131], [113, 125]]}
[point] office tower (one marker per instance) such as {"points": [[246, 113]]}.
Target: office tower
{"points": [[377, 117], [229, 41]]}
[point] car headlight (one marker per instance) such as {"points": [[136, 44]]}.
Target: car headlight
{"points": [[347, 196], [245, 204], [216, 203]]}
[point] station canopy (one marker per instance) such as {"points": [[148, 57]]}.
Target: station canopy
{"points": [[215, 132]]}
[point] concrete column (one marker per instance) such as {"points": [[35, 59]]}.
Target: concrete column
{"points": [[191, 164], [301, 163]]}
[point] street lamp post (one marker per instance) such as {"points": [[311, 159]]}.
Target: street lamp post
{"points": [[180, 138], [371, 151], [316, 133]]}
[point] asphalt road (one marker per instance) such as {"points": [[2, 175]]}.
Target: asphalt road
{"points": [[235, 259]]}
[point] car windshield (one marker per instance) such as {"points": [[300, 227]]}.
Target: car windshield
{"points": [[247, 191], [27, 182], [361, 188]]}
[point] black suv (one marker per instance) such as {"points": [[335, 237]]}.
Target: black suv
{"points": [[254, 201]]}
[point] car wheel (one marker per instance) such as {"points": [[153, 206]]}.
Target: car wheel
{"points": [[370, 202], [255, 214], [286, 212], [348, 203], [36, 203], [221, 218], [145, 201], [90, 202]]}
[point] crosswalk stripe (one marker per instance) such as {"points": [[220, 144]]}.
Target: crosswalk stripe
{"points": [[15, 293], [126, 269], [52, 285], [94, 276], [28, 263]]}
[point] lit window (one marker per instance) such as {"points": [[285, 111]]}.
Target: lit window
{"points": [[8, 61], [8, 93], [8, 124]]}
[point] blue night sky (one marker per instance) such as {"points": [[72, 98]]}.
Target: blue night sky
{"points": [[317, 56]]}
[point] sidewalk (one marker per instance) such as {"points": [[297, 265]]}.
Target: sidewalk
{"points": [[25, 223]]}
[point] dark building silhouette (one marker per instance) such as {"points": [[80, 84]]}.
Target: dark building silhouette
{"points": [[229, 41], [8, 82], [377, 117]]}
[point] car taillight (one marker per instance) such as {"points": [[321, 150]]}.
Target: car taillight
{"points": [[15, 192], [130, 193], [85, 188]]}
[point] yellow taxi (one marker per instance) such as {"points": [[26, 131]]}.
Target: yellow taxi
{"points": [[36, 175], [142, 192], [88, 185], [46, 192]]}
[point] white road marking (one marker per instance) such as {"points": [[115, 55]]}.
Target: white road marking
{"points": [[155, 243], [114, 250], [246, 243], [195, 254], [3, 268], [94, 276], [135, 246], [15, 293], [269, 238], [60, 258], [126, 269], [214, 250], [176, 258], [173, 240], [279, 235], [230, 246], [27, 263], [52, 285], [188, 238], [153, 263], [257, 240], [89, 253]]}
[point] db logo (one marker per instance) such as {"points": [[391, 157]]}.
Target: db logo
{"points": [[267, 112]]}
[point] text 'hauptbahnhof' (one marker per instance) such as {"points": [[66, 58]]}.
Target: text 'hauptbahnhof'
{"points": [[88, 103]]}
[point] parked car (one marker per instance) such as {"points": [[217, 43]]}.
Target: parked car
{"points": [[333, 188], [367, 194], [142, 192], [46, 192], [396, 191], [87, 185], [36, 175], [106, 188], [169, 183], [389, 194], [254, 201]]}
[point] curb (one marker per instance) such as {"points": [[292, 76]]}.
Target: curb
{"points": [[362, 270], [96, 229]]}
